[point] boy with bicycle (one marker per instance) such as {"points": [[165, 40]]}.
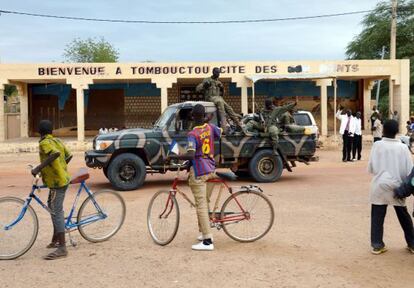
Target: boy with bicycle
{"points": [[200, 151], [54, 157]]}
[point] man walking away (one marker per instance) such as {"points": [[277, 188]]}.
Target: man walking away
{"points": [[347, 131], [377, 128], [390, 163], [357, 143]]}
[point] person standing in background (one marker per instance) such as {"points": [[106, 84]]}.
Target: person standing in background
{"points": [[390, 163], [347, 131], [357, 143], [394, 116], [374, 115], [377, 128]]}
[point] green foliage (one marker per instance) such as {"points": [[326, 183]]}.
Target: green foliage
{"points": [[90, 50], [376, 34], [10, 90]]}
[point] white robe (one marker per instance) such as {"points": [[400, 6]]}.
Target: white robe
{"points": [[390, 162]]}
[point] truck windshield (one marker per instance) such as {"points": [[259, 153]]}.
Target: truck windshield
{"points": [[165, 117]]}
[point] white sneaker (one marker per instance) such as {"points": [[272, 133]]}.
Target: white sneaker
{"points": [[200, 238], [202, 247]]}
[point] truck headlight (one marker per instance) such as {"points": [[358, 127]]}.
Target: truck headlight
{"points": [[103, 144]]}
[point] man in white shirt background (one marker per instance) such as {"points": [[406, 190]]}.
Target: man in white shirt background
{"points": [[390, 163], [347, 131], [357, 143], [377, 128]]}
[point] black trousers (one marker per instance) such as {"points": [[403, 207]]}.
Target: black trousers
{"points": [[357, 146], [377, 224], [347, 146]]}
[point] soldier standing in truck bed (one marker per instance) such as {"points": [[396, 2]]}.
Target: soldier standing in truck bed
{"points": [[211, 88]]}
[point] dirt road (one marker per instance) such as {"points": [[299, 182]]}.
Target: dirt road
{"points": [[320, 239]]}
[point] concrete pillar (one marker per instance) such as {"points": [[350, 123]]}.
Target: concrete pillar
{"points": [[164, 98], [80, 113], [2, 122], [368, 85], [24, 109], [163, 84], [401, 99], [80, 107], [243, 83], [323, 84]]}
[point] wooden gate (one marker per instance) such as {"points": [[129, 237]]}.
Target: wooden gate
{"points": [[12, 125]]}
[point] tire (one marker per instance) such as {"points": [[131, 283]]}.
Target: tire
{"points": [[265, 166], [163, 230], [105, 171], [10, 208], [127, 172], [261, 216], [101, 230]]}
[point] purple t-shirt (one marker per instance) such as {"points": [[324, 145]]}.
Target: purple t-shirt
{"points": [[201, 140]]}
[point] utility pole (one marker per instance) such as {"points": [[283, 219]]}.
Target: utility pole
{"points": [[393, 48], [379, 81], [393, 29]]}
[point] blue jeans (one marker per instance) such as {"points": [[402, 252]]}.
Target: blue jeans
{"points": [[55, 204]]}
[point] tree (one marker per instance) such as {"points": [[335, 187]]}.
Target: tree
{"points": [[90, 50], [376, 34]]}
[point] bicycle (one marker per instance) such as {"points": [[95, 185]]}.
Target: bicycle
{"points": [[245, 216], [19, 224]]}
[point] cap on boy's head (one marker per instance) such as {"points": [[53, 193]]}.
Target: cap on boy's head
{"points": [[45, 127], [390, 128], [199, 111]]}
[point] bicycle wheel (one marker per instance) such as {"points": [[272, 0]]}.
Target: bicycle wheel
{"points": [[20, 237], [101, 226], [163, 217], [252, 224]]}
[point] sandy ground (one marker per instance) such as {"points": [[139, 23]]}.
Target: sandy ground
{"points": [[320, 238]]}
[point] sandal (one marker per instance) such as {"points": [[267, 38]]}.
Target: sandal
{"points": [[60, 252]]}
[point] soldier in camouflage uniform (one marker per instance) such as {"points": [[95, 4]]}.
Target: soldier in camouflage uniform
{"points": [[258, 125], [288, 124], [211, 88], [273, 128]]}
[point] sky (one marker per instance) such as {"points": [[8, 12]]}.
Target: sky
{"points": [[30, 39]]}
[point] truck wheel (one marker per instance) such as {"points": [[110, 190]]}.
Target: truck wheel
{"points": [[105, 171], [127, 172], [265, 166]]}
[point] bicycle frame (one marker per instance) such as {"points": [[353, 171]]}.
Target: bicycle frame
{"points": [[214, 220], [69, 224]]}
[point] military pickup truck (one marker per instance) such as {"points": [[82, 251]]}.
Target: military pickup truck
{"points": [[127, 156]]}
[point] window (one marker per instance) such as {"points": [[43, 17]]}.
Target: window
{"points": [[302, 119]]}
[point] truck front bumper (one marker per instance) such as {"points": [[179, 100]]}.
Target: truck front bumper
{"points": [[96, 160]]}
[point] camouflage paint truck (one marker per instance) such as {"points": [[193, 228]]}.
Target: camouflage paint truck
{"points": [[127, 156]]}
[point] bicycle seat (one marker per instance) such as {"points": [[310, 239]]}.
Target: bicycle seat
{"points": [[80, 176]]}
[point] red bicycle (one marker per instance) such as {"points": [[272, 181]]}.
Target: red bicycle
{"points": [[245, 216]]}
